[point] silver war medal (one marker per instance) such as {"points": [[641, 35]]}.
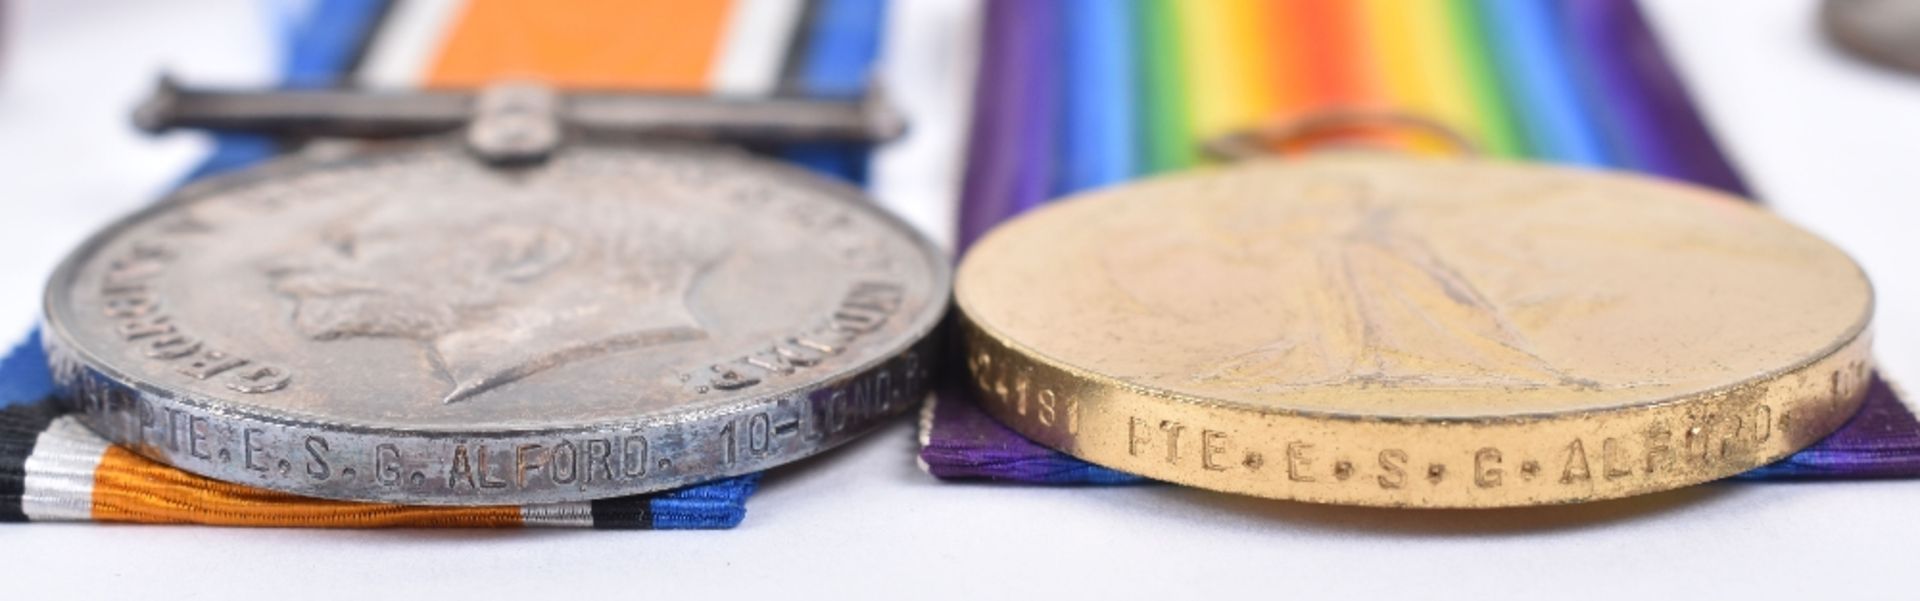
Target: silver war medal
{"points": [[542, 298]]}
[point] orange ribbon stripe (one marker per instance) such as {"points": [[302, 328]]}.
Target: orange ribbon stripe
{"points": [[131, 488], [1335, 56], [650, 44]]}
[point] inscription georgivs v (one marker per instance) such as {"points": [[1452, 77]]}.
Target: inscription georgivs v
{"points": [[414, 326], [1385, 331]]}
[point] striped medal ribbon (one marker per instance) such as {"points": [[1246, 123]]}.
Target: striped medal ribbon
{"points": [[1071, 95]]}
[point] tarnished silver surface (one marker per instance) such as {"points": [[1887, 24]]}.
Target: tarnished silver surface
{"points": [[412, 325]]}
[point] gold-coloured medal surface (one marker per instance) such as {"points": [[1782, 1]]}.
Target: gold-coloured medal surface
{"points": [[1416, 333]]}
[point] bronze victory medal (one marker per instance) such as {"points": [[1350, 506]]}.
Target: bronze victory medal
{"points": [[414, 325], [1392, 332]]}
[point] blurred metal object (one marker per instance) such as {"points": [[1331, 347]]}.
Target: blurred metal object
{"points": [[378, 114], [1345, 128], [1886, 32], [515, 123]]}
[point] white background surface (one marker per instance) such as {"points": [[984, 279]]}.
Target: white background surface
{"points": [[1833, 145]]}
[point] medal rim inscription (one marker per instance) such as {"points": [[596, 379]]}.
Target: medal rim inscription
{"points": [[103, 393], [1097, 417]]}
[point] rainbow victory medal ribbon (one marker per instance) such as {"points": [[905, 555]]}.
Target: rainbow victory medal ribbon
{"points": [[1078, 94], [54, 469]]}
